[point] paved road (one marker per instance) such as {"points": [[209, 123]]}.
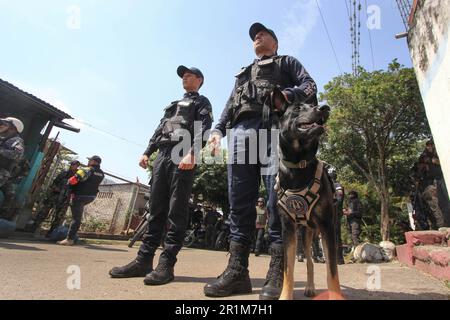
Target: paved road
{"points": [[38, 270]]}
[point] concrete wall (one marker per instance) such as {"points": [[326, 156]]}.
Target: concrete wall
{"points": [[430, 51], [111, 206]]}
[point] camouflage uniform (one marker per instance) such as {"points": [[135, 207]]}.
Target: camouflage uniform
{"points": [[57, 198], [11, 152]]}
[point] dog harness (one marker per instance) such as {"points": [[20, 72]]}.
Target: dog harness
{"points": [[298, 204]]}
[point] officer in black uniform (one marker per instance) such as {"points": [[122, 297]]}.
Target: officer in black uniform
{"points": [[251, 100], [339, 198], [186, 119], [84, 189], [354, 215]]}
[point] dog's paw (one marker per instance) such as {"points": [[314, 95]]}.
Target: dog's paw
{"points": [[310, 292]]}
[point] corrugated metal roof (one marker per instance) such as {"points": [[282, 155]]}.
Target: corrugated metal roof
{"points": [[45, 106]]}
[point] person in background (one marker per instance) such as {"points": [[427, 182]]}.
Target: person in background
{"points": [[261, 222], [435, 192], [354, 217], [12, 150], [83, 190], [57, 198]]}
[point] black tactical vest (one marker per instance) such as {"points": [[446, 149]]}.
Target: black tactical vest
{"points": [[254, 85], [179, 116], [90, 186]]}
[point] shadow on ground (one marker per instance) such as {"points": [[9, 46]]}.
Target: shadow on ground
{"points": [[361, 294], [102, 248], [13, 246]]}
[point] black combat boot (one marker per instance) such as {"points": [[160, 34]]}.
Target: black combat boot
{"points": [[134, 269], [163, 272], [274, 280], [235, 279]]}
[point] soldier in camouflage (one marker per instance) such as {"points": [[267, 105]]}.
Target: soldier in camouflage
{"points": [[11, 152]]}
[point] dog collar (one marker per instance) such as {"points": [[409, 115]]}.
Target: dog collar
{"points": [[300, 165]]}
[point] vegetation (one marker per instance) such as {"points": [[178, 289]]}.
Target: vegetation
{"points": [[375, 130]]}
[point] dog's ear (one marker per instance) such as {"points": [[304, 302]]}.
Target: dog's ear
{"points": [[325, 109]]}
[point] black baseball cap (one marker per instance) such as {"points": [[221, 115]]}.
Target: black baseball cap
{"points": [[182, 70], [96, 159], [258, 27]]}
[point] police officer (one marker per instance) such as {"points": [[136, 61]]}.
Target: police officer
{"points": [[354, 217], [339, 198], [172, 180], [83, 190], [434, 186], [11, 152], [57, 198], [253, 93]]}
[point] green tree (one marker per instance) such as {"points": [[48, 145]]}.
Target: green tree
{"points": [[211, 182], [377, 120]]}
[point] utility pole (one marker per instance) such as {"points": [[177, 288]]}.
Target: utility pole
{"points": [[404, 6], [354, 14]]}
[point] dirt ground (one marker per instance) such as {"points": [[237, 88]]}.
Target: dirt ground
{"points": [[39, 270]]}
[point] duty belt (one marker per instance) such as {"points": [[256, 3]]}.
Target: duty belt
{"points": [[298, 204]]}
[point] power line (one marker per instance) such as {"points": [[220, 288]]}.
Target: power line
{"points": [[111, 134], [329, 38], [348, 10], [355, 31]]}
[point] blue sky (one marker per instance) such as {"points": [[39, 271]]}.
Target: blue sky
{"points": [[115, 67]]}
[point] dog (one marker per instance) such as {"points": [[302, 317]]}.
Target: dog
{"points": [[305, 195]]}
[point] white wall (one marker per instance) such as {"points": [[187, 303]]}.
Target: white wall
{"points": [[430, 50]]}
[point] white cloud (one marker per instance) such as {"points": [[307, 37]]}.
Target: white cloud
{"points": [[298, 23]]}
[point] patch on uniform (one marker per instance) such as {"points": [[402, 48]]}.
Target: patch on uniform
{"points": [[297, 205], [185, 103], [309, 89], [265, 62]]}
